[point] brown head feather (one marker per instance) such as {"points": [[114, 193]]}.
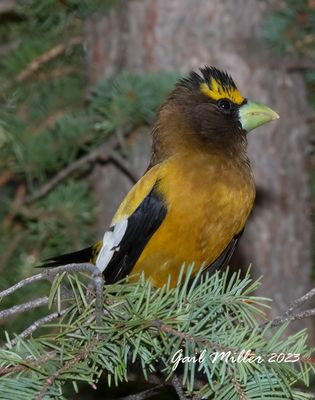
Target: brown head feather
{"points": [[196, 116]]}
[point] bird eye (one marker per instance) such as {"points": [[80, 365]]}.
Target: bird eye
{"points": [[225, 105]]}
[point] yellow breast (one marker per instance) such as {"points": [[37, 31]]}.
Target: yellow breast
{"points": [[208, 199]]}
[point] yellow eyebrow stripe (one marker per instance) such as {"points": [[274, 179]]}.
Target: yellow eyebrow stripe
{"points": [[216, 92]]}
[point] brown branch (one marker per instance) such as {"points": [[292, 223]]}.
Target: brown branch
{"points": [[191, 338], [239, 390], [105, 153], [57, 73], [18, 200], [142, 395], [50, 120], [123, 166], [44, 58], [83, 354], [6, 177], [102, 154], [28, 363]]}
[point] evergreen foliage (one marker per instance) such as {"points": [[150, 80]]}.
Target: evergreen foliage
{"points": [[290, 27], [145, 328]]}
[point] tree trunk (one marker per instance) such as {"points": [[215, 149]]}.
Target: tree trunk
{"points": [[159, 35]]}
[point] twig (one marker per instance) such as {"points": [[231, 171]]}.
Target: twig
{"points": [[300, 301], [5, 177], [29, 305], [28, 362], [44, 58], [99, 301], [119, 133], [83, 354], [57, 73], [291, 317], [21, 284], [102, 153], [50, 119], [37, 324], [190, 338], [178, 386], [289, 314], [123, 166], [48, 274], [143, 395], [239, 390]]}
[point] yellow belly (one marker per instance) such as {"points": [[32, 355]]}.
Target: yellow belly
{"points": [[207, 206]]}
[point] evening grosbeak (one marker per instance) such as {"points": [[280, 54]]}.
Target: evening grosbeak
{"points": [[192, 203]]}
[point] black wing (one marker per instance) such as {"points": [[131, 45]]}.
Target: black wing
{"points": [[141, 226], [223, 259]]}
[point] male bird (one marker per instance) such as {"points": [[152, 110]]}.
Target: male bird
{"points": [[192, 203]]}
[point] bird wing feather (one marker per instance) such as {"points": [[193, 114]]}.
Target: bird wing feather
{"points": [[133, 225]]}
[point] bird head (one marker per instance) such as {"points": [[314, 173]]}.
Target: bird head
{"points": [[209, 107]]}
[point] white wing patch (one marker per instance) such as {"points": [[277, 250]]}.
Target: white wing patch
{"points": [[111, 244]]}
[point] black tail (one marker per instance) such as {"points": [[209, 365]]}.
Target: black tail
{"points": [[81, 256]]}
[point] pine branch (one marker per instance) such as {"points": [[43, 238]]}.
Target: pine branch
{"points": [[146, 394], [49, 274], [99, 292], [293, 317], [121, 163], [83, 354], [44, 58], [28, 363], [57, 73], [300, 301], [38, 324], [178, 386], [102, 154], [29, 305], [131, 322], [190, 338], [289, 314]]}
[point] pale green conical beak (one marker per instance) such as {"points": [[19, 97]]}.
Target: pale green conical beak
{"points": [[252, 115]]}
